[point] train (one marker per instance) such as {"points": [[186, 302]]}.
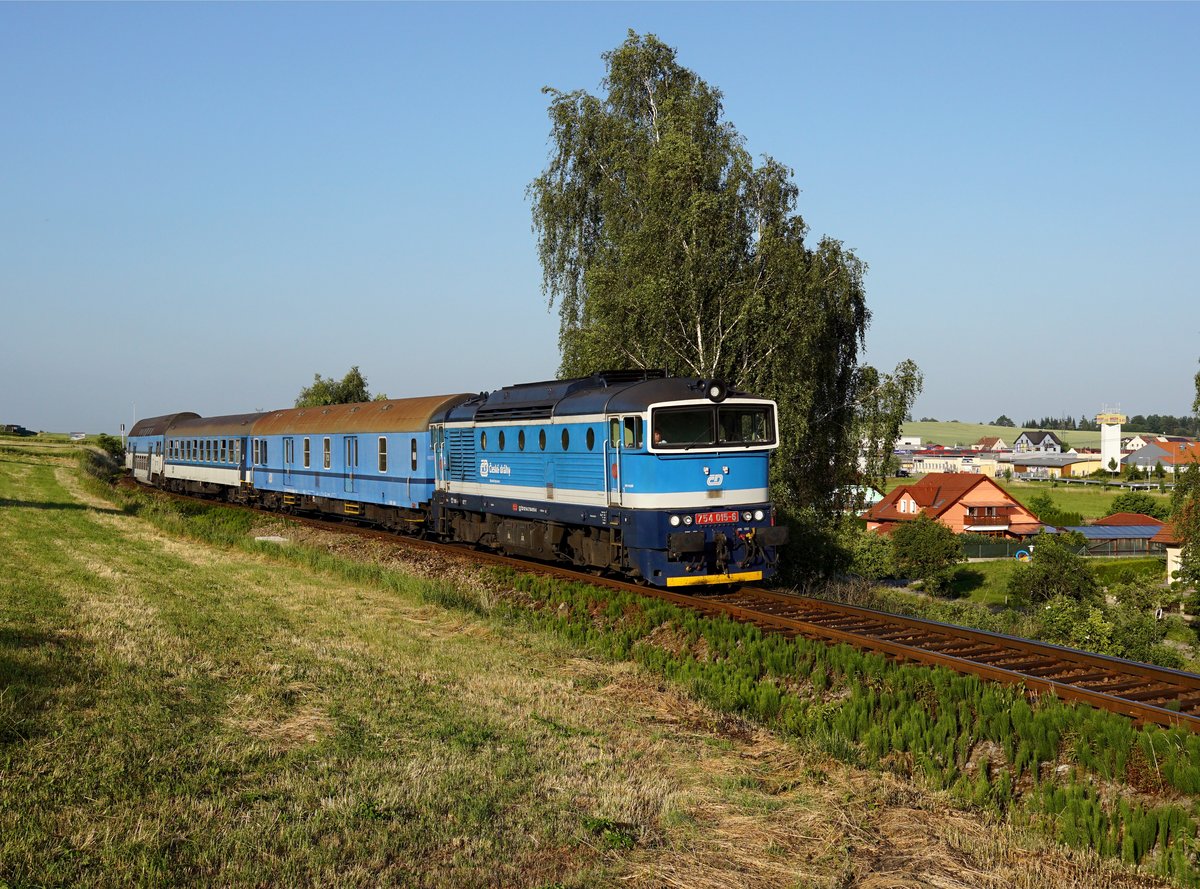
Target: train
{"points": [[663, 480]]}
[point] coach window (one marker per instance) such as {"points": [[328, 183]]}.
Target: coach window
{"points": [[521, 440], [501, 437], [483, 440], [413, 455], [327, 454], [382, 454], [591, 439], [307, 452], [224, 452], [566, 439], [256, 451]]}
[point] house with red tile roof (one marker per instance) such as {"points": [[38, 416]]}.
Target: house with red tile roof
{"points": [[961, 502], [990, 443], [1174, 456]]}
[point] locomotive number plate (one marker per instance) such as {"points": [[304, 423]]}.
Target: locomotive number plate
{"points": [[716, 518]]}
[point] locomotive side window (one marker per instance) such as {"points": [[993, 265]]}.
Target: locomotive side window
{"points": [[633, 432], [382, 454], [307, 452], [542, 439], [483, 440], [614, 433], [328, 454], [501, 437], [566, 439], [591, 439], [521, 440]]}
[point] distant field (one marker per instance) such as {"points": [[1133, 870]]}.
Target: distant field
{"points": [[950, 434]]}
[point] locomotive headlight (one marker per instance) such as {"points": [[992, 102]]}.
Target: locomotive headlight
{"points": [[746, 516], [687, 519], [758, 515], [674, 521]]}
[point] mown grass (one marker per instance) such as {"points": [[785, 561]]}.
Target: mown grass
{"points": [[180, 716], [231, 713]]}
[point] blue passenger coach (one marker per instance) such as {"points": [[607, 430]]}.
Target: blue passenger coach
{"points": [[146, 446], [660, 478], [370, 460]]}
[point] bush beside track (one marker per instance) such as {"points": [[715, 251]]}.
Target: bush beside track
{"points": [[1087, 778]]}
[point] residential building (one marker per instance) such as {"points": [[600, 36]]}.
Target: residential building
{"points": [[1174, 456], [990, 443], [961, 501], [1039, 441]]}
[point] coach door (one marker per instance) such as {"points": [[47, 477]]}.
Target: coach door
{"points": [[351, 455], [289, 460]]}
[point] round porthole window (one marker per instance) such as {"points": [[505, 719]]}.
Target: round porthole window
{"points": [[566, 439], [591, 439], [521, 440], [483, 440], [502, 439], [542, 439]]}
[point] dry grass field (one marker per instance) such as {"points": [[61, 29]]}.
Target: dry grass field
{"points": [[178, 712]]}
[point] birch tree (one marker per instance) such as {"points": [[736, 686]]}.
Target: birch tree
{"points": [[665, 246]]}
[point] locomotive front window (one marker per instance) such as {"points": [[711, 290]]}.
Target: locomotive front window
{"points": [[736, 425], [684, 427], [744, 425]]}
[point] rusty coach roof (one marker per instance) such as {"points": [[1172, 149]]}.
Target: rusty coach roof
{"points": [[393, 415], [230, 424], [158, 425]]}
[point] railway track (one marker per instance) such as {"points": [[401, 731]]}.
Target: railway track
{"points": [[1145, 693]]}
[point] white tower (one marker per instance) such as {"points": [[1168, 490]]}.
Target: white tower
{"points": [[1110, 438]]}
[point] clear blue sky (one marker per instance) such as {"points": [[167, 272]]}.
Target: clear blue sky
{"points": [[202, 205]]}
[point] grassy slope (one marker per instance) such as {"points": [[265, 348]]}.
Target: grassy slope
{"points": [[174, 712], [946, 433]]}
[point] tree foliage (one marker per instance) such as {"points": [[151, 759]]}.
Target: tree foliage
{"points": [[1056, 569], [1185, 514], [350, 389], [665, 246], [1141, 503], [927, 550]]}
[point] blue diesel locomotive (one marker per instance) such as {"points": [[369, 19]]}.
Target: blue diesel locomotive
{"points": [[657, 478]]}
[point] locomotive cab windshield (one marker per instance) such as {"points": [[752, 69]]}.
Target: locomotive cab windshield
{"points": [[723, 426]]}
